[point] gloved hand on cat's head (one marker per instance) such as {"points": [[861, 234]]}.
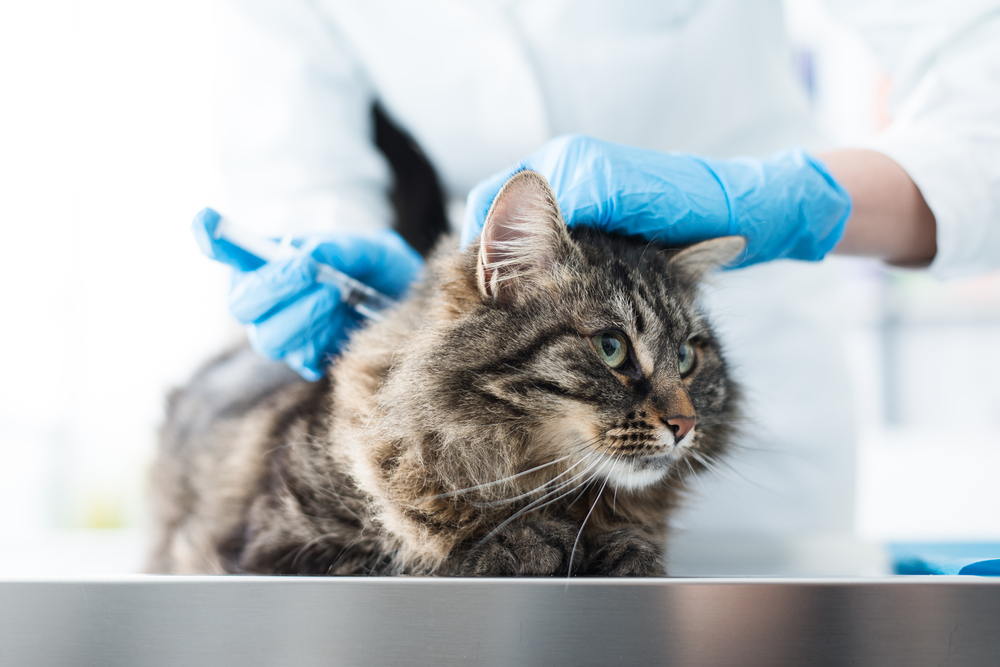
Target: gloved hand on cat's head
{"points": [[292, 317], [787, 205]]}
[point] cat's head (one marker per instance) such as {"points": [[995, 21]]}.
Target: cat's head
{"points": [[583, 347], [602, 344]]}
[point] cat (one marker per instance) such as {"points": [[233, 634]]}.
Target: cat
{"points": [[533, 408]]}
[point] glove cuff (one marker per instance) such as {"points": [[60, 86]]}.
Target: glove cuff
{"points": [[787, 205]]}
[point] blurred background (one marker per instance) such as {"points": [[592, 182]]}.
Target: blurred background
{"points": [[108, 146]]}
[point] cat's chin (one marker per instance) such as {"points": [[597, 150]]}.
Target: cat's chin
{"points": [[638, 473]]}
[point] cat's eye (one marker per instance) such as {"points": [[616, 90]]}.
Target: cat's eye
{"points": [[685, 358], [611, 347]]}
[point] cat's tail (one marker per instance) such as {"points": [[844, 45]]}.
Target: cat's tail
{"points": [[416, 195]]}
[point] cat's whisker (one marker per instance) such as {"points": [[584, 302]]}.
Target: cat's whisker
{"points": [[700, 459], [582, 525], [709, 465], [565, 494], [570, 482], [746, 479], [586, 456], [584, 486], [533, 505], [687, 462], [738, 423], [614, 498], [503, 480], [539, 504], [527, 494]]}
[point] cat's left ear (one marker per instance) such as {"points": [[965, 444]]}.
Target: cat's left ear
{"points": [[698, 259], [523, 238]]}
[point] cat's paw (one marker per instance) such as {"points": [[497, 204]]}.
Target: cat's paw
{"points": [[535, 548], [626, 553]]}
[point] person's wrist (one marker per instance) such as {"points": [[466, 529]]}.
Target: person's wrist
{"points": [[890, 218]]}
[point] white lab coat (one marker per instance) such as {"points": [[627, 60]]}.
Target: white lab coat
{"points": [[480, 84]]}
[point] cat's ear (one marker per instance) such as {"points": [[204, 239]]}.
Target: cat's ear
{"points": [[698, 259], [523, 238]]}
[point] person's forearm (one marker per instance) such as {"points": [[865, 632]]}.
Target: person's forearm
{"points": [[889, 217]]}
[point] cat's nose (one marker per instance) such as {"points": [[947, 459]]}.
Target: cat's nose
{"points": [[676, 411], [680, 426]]}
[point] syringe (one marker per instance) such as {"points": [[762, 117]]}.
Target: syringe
{"points": [[210, 229]]}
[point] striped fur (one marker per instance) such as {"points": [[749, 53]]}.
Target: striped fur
{"points": [[475, 431]]}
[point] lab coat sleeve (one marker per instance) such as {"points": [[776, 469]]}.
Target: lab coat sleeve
{"points": [[944, 61], [295, 122]]}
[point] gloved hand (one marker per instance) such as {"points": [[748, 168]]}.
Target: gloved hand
{"points": [[787, 205], [292, 317]]}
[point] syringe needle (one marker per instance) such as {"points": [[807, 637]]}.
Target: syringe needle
{"points": [[210, 226]]}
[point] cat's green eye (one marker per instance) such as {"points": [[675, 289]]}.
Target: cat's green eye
{"points": [[685, 357], [611, 347]]}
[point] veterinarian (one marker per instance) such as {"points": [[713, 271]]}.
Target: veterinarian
{"points": [[639, 114]]}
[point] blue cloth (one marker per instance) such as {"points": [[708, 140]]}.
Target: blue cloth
{"points": [[787, 205], [974, 558]]}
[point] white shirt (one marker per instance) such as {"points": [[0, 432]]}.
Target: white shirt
{"points": [[482, 83]]}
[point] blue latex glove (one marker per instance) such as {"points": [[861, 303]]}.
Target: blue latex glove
{"points": [[292, 317], [975, 558], [787, 205]]}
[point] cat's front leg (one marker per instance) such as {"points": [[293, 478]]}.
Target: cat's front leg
{"points": [[625, 552], [529, 548]]}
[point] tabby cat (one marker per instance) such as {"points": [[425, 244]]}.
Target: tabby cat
{"points": [[532, 408]]}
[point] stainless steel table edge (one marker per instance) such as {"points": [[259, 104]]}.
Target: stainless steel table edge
{"points": [[601, 581], [192, 620]]}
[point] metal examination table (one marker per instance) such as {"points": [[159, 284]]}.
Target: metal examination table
{"points": [[290, 621]]}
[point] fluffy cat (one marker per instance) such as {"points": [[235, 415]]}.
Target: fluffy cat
{"points": [[532, 408]]}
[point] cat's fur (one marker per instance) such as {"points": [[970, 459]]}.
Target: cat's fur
{"points": [[475, 431]]}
